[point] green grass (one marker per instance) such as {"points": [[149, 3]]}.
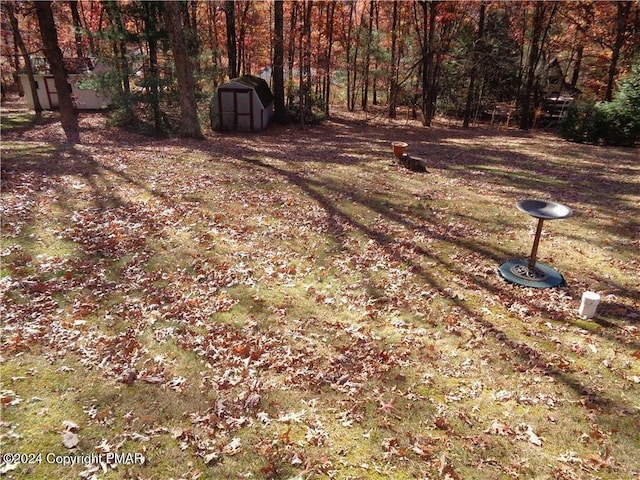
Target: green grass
{"points": [[295, 305], [16, 121]]}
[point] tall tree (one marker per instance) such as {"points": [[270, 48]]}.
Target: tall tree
{"points": [[393, 71], [10, 9], [429, 62], [216, 51], [331, 8], [543, 14], [351, 50], [291, 51], [623, 10], [581, 16], [278, 63], [118, 36], [232, 54], [77, 27], [304, 61], [152, 11], [191, 33], [366, 62], [243, 53], [475, 58], [68, 116], [189, 124]]}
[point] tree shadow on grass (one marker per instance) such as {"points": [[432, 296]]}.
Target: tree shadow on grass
{"points": [[332, 153], [526, 353], [587, 181]]}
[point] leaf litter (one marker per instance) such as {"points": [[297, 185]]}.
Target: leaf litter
{"points": [[324, 297]]}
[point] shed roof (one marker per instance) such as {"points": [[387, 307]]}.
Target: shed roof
{"points": [[259, 85]]}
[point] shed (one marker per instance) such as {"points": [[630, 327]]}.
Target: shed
{"points": [[79, 70], [243, 104]]}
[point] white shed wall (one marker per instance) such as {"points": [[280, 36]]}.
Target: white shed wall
{"points": [[86, 99]]}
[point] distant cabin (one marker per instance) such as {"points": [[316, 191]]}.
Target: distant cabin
{"points": [[244, 104], [79, 70]]}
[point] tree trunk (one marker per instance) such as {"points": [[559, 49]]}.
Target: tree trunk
{"points": [[229, 10], [216, 52], [583, 28], [327, 68], [304, 61], [280, 115], [393, 80], [77, 27], [242, 53], [25, 55], [525, 103], [189, 124], [623, 10], [120, 54], [350, 62], [576, 66], [16, 68], [366, 64], [68, 117], [429, 74], [291, 51], [538, 36], [193, 43], [376, 65], [152, 80], [475, 58]]}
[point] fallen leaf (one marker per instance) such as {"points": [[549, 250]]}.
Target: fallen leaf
{"points": [[70, 426], [7, 467], [527, 433], [212, 458], [598, 461], [252, 401], [442, 423], [138, 437], [446, 469], [128, 376], [499, 428], [70, 439], [233, 447]]}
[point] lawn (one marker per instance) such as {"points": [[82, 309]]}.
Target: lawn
{"points": [[295, 305]]}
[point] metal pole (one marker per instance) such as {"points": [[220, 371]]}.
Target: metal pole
{"points": [[536, 241]]}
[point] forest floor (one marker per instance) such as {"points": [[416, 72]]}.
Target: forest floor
{"points": [[294, 304]]}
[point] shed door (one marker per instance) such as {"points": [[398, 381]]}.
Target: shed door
{"points": [[236, 109], [244, 112], [52, 93]]}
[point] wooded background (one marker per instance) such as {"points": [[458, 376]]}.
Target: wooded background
{"points": [[457, 58]]}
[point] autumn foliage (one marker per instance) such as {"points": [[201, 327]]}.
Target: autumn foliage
{"points": [[456, 58], [295, 303]]}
